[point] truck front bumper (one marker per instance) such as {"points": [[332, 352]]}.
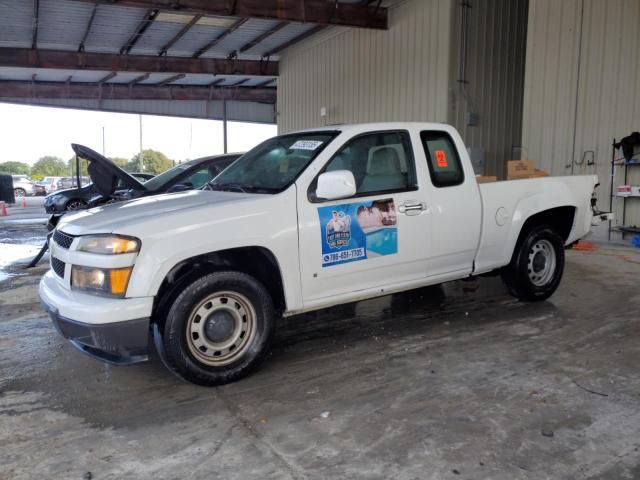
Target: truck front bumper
{"points": [[106, 336]]}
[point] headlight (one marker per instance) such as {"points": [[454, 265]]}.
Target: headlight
{"points": [[108, 244], [101, 281]]}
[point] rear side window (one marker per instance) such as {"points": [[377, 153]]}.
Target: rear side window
{"points": [[443, 159]]}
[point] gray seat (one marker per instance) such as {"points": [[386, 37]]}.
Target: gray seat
{"points": [[383, 172]]}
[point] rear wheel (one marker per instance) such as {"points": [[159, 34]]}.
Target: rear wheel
{"points": [[19, 192], [217, 329], [537, 265]]}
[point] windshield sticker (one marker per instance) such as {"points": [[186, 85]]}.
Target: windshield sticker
{"points": [[441, 159], [358, 231], [306, 145]]}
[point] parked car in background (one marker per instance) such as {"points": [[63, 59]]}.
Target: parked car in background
{"points": [[22, 186], [47, 185], [185, 176], [189, 175], [72, 182], [143, 177], [79, 198]]}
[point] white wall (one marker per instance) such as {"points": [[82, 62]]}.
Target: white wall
{"points": [[582, 87], [363, 75]]}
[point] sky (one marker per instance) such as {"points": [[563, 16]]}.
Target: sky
{"points": [[28, 133]]}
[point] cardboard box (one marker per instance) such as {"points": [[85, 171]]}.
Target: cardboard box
{"points": [[539, 173], [518, 169], [486, 179]]}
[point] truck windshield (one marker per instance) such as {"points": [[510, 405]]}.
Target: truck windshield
{"points": [[274, 164]]}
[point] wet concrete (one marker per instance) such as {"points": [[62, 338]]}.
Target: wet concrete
{"points": [[453, 382]]}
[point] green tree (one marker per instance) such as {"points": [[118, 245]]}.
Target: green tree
{"points": [[15, 168], [154, 162], [119, 161], [84, 165], [49, 166]]}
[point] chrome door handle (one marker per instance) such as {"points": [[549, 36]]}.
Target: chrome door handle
{"points": [[412, 208]]}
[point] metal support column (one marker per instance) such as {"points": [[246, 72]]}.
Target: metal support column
{"points": [[224, 124]]}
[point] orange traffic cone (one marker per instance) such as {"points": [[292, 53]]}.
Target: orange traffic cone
{"points": [[3, 212], [23, 204]]}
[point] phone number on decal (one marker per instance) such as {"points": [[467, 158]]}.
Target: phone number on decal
{"points": [[343, 255]]}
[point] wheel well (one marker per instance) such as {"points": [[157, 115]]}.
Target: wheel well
{"points": [[258, 262], [559, 218]]}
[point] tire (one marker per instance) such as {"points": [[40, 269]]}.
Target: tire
{"points": [[537, 265], [217, 329], [75, 204], [19, 192]]}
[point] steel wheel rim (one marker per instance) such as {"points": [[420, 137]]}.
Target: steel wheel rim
{"points": [[218, 353], [541, 265], [19, 193]]}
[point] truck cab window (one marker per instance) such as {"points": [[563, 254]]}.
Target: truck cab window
{"points": [[442, 158], [380, 162]]}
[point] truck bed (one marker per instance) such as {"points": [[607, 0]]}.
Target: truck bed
{"points": [[506, 205]]}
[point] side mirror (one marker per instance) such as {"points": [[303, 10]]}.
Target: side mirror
{"points": [[335, 185]]}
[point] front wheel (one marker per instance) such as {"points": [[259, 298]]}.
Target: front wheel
{"points": [[537, 265], [19, 192], [217, 329]]}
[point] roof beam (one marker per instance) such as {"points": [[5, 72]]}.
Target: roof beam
{"points": [[145, 23], [265, 83], [36, 22], [169, 80], [139, 79], [220, 37], [117, 91], [180, 34], [323, 12], [238, 83], [259, 38], [106, 78], [24, 57], [88, 28]]}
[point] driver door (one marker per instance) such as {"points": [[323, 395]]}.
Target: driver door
{"points": [[378, 237]]}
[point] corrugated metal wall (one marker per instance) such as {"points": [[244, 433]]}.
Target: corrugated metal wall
{"points": [[410, 72], [582, 87], [363, 75], [494, 80]]}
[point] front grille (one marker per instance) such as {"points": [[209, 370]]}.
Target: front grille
{"points": [[62, 239], [57, 266]]}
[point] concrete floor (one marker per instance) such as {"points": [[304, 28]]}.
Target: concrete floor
{"points": [[460, 382]]}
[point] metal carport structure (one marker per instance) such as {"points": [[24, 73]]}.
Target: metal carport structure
{"points": [[193, 58]]}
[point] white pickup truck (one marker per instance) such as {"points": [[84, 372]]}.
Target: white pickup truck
{"points": [[303, 221]]}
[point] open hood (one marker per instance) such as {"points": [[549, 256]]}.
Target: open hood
{"points": [[105, 174]]}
